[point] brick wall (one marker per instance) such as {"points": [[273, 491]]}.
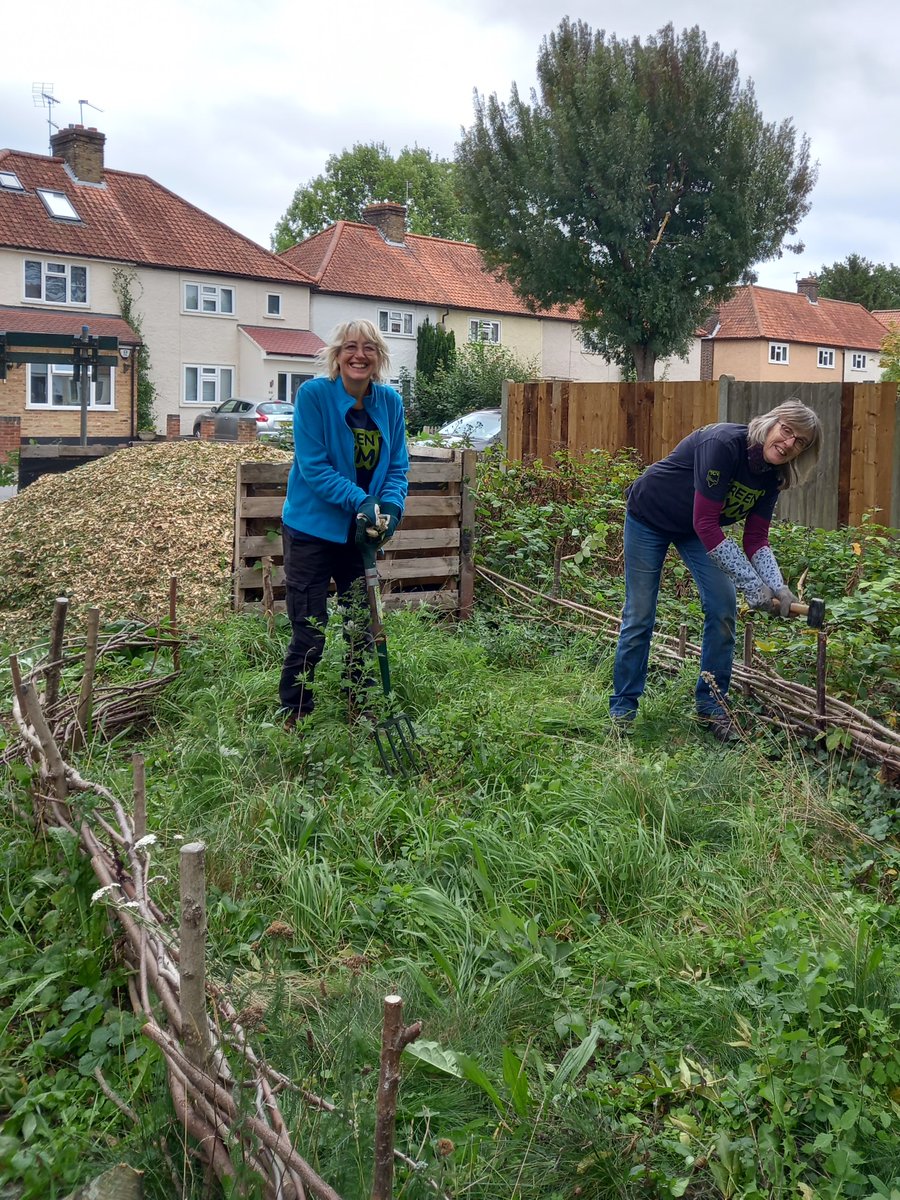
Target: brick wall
{"points": [[246, 429], [10, 436], [173, 426], [207, 428]]}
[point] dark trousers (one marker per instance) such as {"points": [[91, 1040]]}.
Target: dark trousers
{"points": [[309, 568]]}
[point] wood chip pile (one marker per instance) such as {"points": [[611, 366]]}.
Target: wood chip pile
{"points": [[111, 533]]}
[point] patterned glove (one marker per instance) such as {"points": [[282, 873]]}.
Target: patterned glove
{"points": [[731, 559], [770, 573], [785, 598]]}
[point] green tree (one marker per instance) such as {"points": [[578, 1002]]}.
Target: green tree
{"points": [[857, 279], [435, 347], [640, 183], [474, 379], [890, 356], [367, 174]]}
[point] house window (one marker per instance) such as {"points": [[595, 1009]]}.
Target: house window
{"points": [[58, 205], [484, 331], [288, 382], [10, 181], [778, 352], [208, 298], [52, 385], [273, 304], [858, 362], [55, 282], [399, 324], [826, 357], [207, 385]]}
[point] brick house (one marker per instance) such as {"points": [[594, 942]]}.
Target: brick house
{"points": [[374, 268], [765, 334], [220, 316]]}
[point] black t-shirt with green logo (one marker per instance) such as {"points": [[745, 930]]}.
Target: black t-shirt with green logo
{"points": [[712, 461], [367, 440]]}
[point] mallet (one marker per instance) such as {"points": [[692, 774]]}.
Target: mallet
{"points": [[814, 612]]}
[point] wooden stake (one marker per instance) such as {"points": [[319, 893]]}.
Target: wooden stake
{"points": [[36, 718], [394, 1037], [682, 640], [140, 795], [57, 629], [173, 629], [747, 687], [268, 593], [821, 670], [83, 715], [192, 960]]}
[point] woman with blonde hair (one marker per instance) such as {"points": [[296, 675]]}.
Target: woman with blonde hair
{"points": [[714, 477], [350, 462]]}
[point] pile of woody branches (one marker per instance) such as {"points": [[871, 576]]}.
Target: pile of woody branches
{"points": [[224, 1093], [804, 710]]}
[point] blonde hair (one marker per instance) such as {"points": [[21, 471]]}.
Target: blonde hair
{"points": [[329, 355], [805, 423]]}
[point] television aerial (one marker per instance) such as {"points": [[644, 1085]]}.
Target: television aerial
{"points": [[42, 97], [81, 104]]}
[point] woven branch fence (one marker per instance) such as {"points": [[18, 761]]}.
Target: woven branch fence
{"points": [[807, 711], [224, 1093]]}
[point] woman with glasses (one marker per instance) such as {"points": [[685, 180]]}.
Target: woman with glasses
{"points": [[350, 461], [716, 476]]}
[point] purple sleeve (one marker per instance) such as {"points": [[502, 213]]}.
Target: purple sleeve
{"points": [[706, 520], [756, 534]]}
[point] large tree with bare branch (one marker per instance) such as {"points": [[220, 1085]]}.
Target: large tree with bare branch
{"points": [[641, 182]]}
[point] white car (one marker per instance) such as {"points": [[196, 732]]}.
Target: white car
{"points": [[477, 430]]}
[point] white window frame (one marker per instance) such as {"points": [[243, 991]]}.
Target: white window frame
{"points": [[212, 374], [10, 182], [51, 268], [779, 353], [479, 326], [209, 297], [278, 315], [64, 371], [825, 357], [286, 380], [859, 361], [394, 322]]}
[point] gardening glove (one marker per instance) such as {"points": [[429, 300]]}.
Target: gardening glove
{"points": [[770, 573], [367, 512], [731, 559], [393, 512]]}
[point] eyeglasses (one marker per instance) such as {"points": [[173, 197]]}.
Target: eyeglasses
{"points": [[800, 443], [356, 348]]}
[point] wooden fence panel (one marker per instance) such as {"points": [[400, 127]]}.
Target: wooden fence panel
{"points": [[429, 559], [858, 469]]}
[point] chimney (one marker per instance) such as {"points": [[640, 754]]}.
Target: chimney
{"points": [[389, 219], [809, 287], [82, 149]]}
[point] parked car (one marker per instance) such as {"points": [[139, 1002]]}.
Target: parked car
{"points": [[478, 429], [272, 416]]}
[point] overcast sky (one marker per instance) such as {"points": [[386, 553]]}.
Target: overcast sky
{"points": [[232, 104]]}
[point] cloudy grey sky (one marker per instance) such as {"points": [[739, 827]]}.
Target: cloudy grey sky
{"points": [[233, 104]]}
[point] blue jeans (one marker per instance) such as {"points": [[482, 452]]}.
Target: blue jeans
{"points": [[645, 551]]}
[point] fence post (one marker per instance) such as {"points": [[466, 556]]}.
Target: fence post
{"points": [[57, 628], [394, 1036], [467, 536], [725, 382], [192, 959], [83, 715]]}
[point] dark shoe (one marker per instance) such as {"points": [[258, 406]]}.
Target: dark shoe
{"points": [[721, 726], [622, 726]]}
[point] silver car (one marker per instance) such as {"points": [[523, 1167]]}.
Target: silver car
{"points": [[477, 430], [272, 417]]}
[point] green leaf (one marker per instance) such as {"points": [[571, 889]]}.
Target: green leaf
{"points": [[435, 1056], [517, 1081], [575, 1060], [475, 1074]]}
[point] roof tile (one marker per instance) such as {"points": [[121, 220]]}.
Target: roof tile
{"points": [[757, 312], [297, 343], [48, 320]]}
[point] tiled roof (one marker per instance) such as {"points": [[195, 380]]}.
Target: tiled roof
{"points": [[290, 343], [889, 317], [49, 320], [352, 258], [757, 312], [128, 218]]}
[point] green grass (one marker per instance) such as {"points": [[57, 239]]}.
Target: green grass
{"points": [[592, 926]]}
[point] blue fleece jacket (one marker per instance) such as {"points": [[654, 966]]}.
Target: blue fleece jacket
{"points": [[323, 496]]}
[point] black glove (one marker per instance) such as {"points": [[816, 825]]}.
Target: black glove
{"points": [[393, 512], [366, 512]]}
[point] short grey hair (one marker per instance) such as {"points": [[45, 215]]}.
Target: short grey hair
{"points": [[805, 422], [328, 356]]}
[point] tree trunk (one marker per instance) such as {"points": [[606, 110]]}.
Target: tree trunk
{"points": [[644, 363]]}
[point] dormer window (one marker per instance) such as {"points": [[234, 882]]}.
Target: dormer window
{"points": [[58, 205], [9, 181]]}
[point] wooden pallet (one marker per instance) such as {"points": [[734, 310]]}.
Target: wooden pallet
{"points": [[428, 560]]}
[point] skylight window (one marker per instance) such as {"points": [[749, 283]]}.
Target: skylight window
{"points": [[58, 205], [10, 181]]}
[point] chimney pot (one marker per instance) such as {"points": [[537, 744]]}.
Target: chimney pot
{"points": [[809, 287]]}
